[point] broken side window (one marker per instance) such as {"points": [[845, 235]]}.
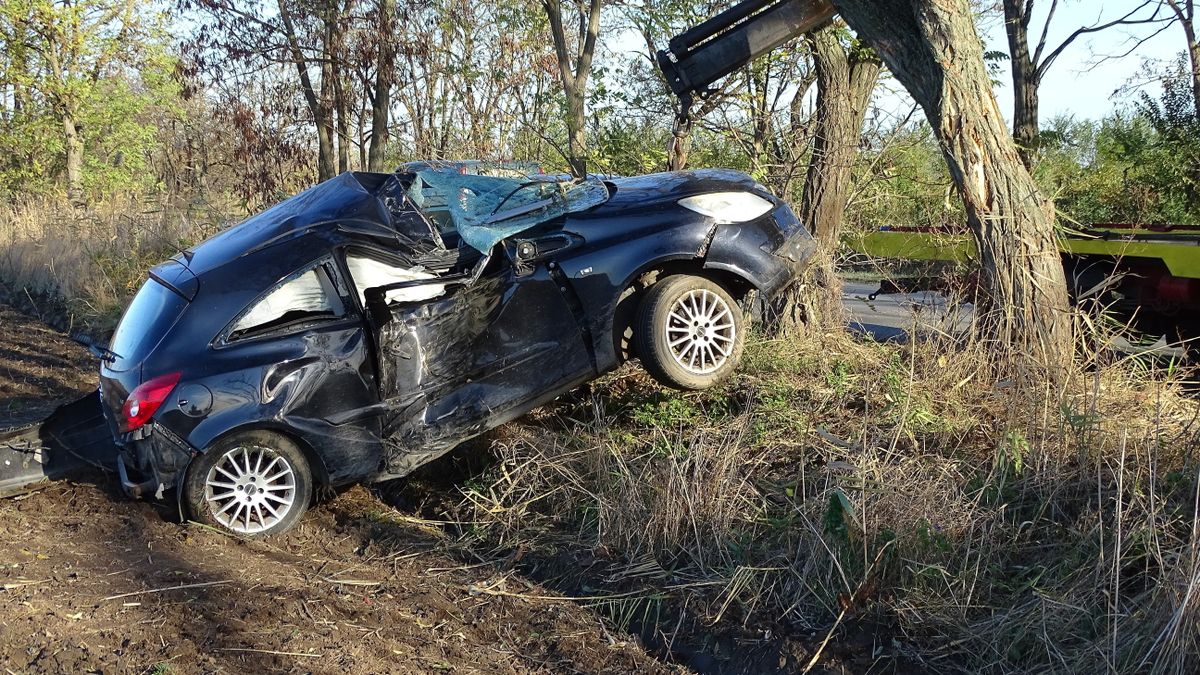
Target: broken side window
{"points": [[302, 298], [486, 209], [367, 272]]}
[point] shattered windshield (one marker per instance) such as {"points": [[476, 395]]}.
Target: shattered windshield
{"points": [[486, 209]]}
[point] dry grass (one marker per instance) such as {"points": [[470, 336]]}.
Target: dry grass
{"points": [[78, 268], [997, 526]]}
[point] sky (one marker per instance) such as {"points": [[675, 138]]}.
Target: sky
{"points": [[1081, 82]]}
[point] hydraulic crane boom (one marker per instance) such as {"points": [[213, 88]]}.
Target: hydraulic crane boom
{"points": [[700, 56]]}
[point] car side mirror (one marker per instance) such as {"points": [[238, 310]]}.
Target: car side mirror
{"points": [[525, 254]]}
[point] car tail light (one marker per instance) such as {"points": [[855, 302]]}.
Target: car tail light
{"points": [[147, 398]]}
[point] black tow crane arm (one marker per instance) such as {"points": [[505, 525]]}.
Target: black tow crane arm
{"points": [[700, 56]]}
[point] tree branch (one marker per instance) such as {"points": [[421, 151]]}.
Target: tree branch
{"points": [[1123, 21]]}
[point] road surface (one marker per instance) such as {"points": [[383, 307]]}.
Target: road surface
{"points": [[892, 317]]}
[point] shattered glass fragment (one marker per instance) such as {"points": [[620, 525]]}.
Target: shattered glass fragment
{"points": [[486, 209]]}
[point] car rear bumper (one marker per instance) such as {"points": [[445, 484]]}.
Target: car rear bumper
{"points": [[152, 463]]}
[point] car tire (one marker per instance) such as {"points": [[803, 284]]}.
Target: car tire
{"points": [[689, 332], [254, 484]]}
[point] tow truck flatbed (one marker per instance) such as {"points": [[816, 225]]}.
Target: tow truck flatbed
{"points": [[1176, 246]]}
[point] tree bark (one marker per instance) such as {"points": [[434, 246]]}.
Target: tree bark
{"points": [[1185, 12], [932, 48], [324, 114], [343, 122], [74, 151], [844, 86], [845, 82], [576, 135], [329, 94], [1025, 78], [385, 70], [1194, 59]]}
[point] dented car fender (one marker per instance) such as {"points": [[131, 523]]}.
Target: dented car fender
{"points": [[760, 253], [600, 272]]}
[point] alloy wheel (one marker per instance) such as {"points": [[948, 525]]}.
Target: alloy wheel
{"points": [[250, 489], [701, 332]]}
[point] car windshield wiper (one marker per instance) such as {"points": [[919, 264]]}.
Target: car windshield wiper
{"points": [[497, 215], [105, 354]]}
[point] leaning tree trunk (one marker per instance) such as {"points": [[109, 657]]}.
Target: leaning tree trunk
{"points": [[1194, 60], [932, 48]]}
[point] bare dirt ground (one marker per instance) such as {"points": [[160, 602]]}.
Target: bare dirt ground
{"points": [[96, 584], [93, 582]]}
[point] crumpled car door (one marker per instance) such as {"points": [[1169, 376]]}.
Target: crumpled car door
{"points": [[480, 355]]}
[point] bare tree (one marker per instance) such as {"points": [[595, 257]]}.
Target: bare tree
{"points": [[385, 73], [252, 34], [932, 48], [1029, 65], [575, 71]]}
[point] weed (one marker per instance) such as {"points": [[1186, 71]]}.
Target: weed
{"points": [[999, 526], [79, 269]]}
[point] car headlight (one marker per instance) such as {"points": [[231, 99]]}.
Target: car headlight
{"points": [[728, 207]]}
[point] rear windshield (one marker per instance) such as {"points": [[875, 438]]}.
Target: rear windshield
{"points": [[153, 311]]}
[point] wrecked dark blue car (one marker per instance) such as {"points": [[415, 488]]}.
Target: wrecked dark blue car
{"points": [[370, 324]]}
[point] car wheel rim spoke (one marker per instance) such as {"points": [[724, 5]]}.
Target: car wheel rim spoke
{"points": [[700, 331], [244, 495]]}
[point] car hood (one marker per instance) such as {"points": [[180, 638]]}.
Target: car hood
{"points": [[655, 190]]}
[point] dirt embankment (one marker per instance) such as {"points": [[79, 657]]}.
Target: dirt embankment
{"points": [[39, 369], [93, 582]]}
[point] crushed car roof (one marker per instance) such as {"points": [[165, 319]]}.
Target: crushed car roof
{"points": [[401, 210]]}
